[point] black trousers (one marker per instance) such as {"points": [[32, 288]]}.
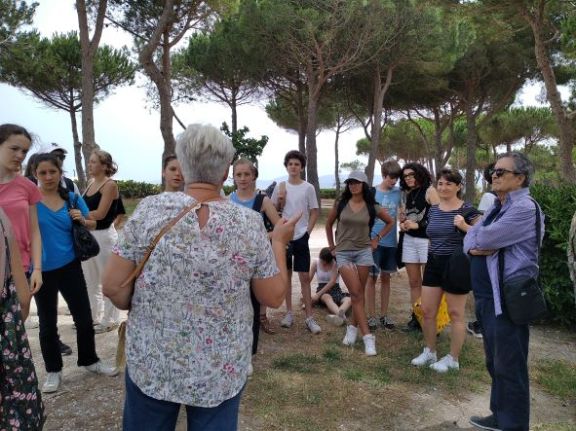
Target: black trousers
{"points": [[506, 348], [69, 281], [255, 322]]}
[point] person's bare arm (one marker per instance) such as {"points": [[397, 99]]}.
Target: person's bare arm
{"points": [[432, 196], [109, 192], [328, 285], [36, 251], [19, 278], [314, 213], [270, 210], [117, 270], [329, 223]]}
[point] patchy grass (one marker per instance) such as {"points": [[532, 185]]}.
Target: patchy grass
{"points": [[306, 382], [557, 377]]}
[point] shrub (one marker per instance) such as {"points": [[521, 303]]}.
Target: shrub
{"points": [[328, 193], [558, 204], [136, 189]]}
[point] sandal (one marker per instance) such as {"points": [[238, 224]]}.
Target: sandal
{"points": [[265, 325]]}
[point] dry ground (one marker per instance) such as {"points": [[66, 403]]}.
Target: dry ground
{"points": [[305, 382]]}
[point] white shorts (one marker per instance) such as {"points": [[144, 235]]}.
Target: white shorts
{"points": [[414, 250]]}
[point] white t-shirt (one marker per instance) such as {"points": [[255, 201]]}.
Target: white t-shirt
{"points": [[486, 201], [300, 197]]}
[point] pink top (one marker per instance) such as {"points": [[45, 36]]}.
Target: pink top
{"points": [[16, 197]]}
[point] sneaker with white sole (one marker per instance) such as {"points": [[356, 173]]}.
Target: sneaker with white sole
{"points": [[351, 335], [52, 382], [372, 323], [369, 344], [474, 329], [445, 364], [335, 319], [103, 369], [288, 321], [387, 323], [485, 423], [313, 326], [425, 358]]}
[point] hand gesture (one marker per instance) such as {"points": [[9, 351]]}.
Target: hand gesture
{"points": [[459, 222], [284, 230]]}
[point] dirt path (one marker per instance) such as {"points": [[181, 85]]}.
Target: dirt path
{"points": [[88, 402]]}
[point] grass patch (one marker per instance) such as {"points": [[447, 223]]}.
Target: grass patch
{"points": [[297, 362], [332, 355], [556, 376]]}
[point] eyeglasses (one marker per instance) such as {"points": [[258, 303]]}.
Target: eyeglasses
{"points": [[410, 175], [501, 171]]}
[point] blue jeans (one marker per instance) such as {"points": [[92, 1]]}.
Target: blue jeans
{"points": [[144, 413], [506, 348]]}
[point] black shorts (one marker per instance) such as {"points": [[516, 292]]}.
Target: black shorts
{"points": [[336, 293], [435, 275], [299, 252]]}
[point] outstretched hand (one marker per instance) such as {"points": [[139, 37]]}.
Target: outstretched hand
{"points": [[284, 230]]}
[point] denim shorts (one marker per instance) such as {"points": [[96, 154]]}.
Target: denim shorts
{"points": [[356, 257], [384, 260]]}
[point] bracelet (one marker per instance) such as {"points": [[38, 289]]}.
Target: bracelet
{"points": [[378, 236]]}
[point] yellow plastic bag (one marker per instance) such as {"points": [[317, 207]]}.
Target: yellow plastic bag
{"points": [[442, 319]]}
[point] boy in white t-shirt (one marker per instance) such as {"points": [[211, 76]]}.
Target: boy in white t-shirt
{"points": [[292, 197]]}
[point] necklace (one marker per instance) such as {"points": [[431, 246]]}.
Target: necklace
{"points": [[414, 197]]}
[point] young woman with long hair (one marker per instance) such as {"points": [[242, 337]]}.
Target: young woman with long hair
{"points": [[354, 214], [62, 273]]}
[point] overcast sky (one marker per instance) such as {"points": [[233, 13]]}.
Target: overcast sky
{"points": [[130, 131]]}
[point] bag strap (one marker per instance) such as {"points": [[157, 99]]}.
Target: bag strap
{"points": [[150, 248], [538, 239], [258, 200], [98, 189]]}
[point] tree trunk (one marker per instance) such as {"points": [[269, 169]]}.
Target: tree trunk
{"points": [[471, 145], [311, 151], [89, 48], [80, 173], [380, 90], [336, 158], [438, 147], [234, 108], [566, 129], [302, 122]]}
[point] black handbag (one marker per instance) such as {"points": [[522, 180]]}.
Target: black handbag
{"points": [[522, 296], [85, 245]]}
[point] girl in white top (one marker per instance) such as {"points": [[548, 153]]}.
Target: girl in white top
{"points": [[328, 291]]}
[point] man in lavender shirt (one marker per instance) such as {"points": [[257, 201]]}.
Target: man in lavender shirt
{"points": [[509, 226]]}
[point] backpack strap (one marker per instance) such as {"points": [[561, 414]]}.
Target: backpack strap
{"points": [[257, 205]]}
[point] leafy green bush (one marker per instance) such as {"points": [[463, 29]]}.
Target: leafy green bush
{"points": [[558, 204], [328, 193], [137, 189]]}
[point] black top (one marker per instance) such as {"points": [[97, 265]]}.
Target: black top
{"points": [[417, 209], [94, 200]]}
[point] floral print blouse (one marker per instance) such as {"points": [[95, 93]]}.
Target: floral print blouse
{"points": [[189, 332]]}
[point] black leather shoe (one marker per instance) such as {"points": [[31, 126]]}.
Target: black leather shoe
{"points": [[65, 349], [485, 423], [413, 325]]}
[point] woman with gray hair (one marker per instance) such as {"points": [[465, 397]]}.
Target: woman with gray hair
{"points": [[509, 229], [189, 331]]}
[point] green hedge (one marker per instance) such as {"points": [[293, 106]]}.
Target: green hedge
{"points": [[558, 204], [137, 189]]}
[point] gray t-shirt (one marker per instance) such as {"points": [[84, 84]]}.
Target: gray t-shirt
{"points": [[353, 229]]}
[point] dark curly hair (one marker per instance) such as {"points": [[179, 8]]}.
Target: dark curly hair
{"points": [[421, 175], [295, 154]]}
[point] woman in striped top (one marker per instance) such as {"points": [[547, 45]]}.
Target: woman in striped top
{"points": [[448, 222]]}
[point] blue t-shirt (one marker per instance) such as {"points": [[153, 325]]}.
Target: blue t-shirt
{"points": [[56, 232], [248, 204], [390, 200]]}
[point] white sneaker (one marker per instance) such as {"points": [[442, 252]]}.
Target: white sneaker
{"points": [[445, 364], [250, 369], [101, 368], [313, 326], [369, 344], [425, 358], [351, 334], [335, 320], [288, 321], [52, 382]]}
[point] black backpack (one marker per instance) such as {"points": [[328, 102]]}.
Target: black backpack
{"points": [[258, 207]]}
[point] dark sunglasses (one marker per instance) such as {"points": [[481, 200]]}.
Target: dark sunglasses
{"points": [[500, 171]]}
